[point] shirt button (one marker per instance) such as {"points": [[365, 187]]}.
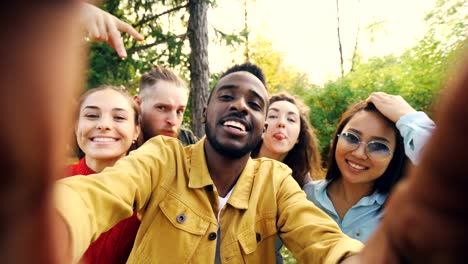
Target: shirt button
{"points": [[212, 236], [181, 218], [258, 237]]}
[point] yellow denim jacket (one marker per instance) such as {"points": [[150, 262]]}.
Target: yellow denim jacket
{"points": [[171, 189]]}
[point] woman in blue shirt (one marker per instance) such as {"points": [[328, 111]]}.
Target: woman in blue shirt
{"points": [[367, 158]]}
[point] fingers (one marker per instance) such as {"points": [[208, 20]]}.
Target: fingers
{"points": [[93, 31], [115, 39], [124, 27], [391, 106], [115, 27], [102, 26]]}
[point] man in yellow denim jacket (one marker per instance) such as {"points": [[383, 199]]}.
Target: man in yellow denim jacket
{"points": [[178, 193]]}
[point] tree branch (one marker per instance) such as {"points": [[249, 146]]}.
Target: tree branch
{"points": [[146, 20], [143, 47]]}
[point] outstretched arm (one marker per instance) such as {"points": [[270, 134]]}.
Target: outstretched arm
{"points": [[102, 26]]}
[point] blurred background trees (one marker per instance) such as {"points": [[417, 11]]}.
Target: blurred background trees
{"points": [[417, 74]]}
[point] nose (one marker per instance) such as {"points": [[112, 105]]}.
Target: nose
{"points": [[171, 118], [360, 152], [281, 122], [104, 123], [239, 105]]}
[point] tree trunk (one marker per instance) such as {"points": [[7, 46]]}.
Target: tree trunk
{"points": [[339, 38], [199, 70]]}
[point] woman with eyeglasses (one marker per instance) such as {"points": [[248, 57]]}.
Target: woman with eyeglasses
{"points": [[366, 160]]}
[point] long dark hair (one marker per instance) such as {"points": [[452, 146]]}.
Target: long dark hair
{"points": [[304, 157], [396, 167]]}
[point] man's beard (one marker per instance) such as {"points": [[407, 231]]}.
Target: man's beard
{"points": [[229, 152]]}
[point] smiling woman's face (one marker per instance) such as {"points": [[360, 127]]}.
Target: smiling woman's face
{"points": [[106, 125], [355, 165], [284, 126]]}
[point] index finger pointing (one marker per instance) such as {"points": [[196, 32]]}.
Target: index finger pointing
{"points": [[124, 27]]}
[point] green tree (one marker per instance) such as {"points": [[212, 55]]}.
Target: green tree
{"points": [[176, 36]]}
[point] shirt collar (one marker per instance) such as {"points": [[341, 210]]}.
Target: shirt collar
{"points": [[200, 177], [321, 194]]}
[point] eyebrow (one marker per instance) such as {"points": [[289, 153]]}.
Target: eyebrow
{"points": [[373, 138], [171, 105], [277, 110], [93, 107], [232, 86]]}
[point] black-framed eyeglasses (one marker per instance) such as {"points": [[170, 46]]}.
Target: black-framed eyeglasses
{"points": [[375, 150]]}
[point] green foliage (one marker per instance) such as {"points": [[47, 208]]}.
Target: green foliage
{"points": [[165, 42], [288, 257], [326, 106]]}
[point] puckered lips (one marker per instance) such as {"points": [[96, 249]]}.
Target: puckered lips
{"points": [[235, 126]]}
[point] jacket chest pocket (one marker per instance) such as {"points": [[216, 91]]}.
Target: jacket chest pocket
{"points": [[254, 244], [181, 230], [182, 217]]}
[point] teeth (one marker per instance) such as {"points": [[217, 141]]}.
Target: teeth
{"points": [[235, 124], [356, 166], [103, 139]]}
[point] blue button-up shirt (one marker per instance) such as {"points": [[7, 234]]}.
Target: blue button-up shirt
{"points": [[359, 221]]}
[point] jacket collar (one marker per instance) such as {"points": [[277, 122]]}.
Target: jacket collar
{"points": [[199, 177]]}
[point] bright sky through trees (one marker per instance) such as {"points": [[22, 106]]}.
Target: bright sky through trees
{"points": [[305, 30]]}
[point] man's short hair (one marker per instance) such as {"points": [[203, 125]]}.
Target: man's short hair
{"points": [[160, 73], [248, 67]]}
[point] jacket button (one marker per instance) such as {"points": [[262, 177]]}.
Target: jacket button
{"points": [[181, 218], [258, 237], [212, 236]]}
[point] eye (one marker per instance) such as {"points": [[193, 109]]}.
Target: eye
{"points": [[226, 97], [292, 120], [375, 146], [254, 105], [161, 107], [180, 112], [272, 116], [350, 138], [91, 116], [120, 118]]}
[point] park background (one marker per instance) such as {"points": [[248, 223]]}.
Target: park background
{"points": [[329, 53]]}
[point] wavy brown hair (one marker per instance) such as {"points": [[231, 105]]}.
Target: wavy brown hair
{"points": [[304, 157]]}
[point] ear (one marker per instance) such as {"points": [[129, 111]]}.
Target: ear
{"points": [[137, 132], [137, 100], [203, 120], [265, 127]]}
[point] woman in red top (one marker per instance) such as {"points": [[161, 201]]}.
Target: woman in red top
{"points": [[107, 127]]}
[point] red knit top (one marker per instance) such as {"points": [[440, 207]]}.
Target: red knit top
{"points": [[115, 245]]}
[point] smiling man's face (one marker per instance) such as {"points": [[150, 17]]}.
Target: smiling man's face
{"points": [[235, 115]]}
